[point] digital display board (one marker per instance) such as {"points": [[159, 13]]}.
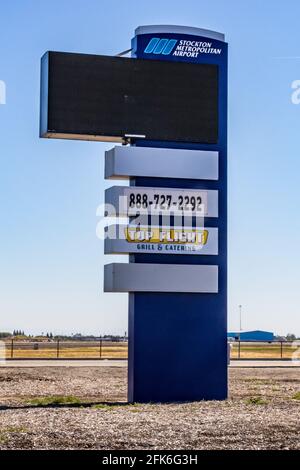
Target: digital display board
{"points": [[92, 97]]}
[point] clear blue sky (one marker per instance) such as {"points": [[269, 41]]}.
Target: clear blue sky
{"points": [[51, 261]]}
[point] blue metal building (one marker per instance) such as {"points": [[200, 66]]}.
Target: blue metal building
{"points": [[256, 335]]}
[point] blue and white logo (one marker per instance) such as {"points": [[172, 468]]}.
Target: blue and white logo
{"points": [[182, 47], [160, 46]]}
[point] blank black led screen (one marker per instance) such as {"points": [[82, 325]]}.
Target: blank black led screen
{"points": [[93, 97]]}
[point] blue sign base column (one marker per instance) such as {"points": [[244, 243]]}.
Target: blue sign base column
{"points": [[178, 348], [178, 341]]}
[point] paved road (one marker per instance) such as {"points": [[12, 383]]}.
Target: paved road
{"points": [[63, 363], [262, 364], [120, 363]]}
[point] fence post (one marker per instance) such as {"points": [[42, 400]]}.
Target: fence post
{"points": [[57, 349], [281, 350], [100, 348], [12, 349], [239, 354]]}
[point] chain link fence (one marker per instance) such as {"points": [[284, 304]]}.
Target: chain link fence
{"points": [[108, 349], [263, 350], [58, 349]]}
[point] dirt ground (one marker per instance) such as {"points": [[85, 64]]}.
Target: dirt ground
{"points": [[263, 412]]}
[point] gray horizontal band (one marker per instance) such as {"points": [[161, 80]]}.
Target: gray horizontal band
{"points": [[139, 277], [118, 198], [126, 162], [156, 29], [118, 244]]}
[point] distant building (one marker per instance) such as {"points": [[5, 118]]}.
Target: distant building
{"points": [[256, 335]]}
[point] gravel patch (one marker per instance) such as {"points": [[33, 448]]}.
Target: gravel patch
{"points": [[18, 385], [260, 413]]}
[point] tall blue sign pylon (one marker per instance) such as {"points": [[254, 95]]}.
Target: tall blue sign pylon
{"points": [[177, 340]]}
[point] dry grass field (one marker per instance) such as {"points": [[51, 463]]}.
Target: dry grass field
{"points": [[119, 350], [68, 350], [86, 408], [263, 350]]}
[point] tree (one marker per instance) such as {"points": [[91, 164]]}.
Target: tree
{"points": [[290, 337], [4, 334]]}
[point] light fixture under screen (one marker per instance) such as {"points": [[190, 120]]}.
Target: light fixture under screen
{"points": [[92, 97]]}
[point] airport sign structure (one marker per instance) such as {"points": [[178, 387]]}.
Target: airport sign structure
{"points": [[167, 106]]}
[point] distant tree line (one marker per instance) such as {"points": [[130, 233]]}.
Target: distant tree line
{"points": [[290, 337], [51, 336], [18, 333], [81, 337], [4, 334]]}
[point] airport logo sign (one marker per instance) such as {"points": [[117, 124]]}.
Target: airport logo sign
{"points": [[181, 48]]}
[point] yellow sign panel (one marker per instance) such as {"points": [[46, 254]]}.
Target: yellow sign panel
{"points": [[165, 236]]}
